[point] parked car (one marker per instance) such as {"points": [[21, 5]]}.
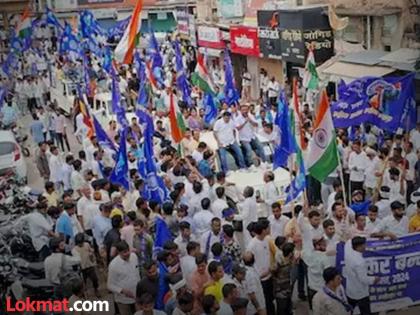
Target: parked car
{"points": [[11, 157]]}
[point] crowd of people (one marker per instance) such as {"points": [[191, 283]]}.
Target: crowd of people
{"points": [[222, 255]]}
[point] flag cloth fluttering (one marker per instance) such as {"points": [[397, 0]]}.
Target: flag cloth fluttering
{"points": [[231, 93], [201, 77], [125, 48], [298, 117], [102, 136], [117, 108], [52, 20], [298, 183], [143, 95], [176, 119], [87, 118], [181, 77], [68, 41], [119, 174], [323, 158], [210, 108], [286, 147], [310, 78]]}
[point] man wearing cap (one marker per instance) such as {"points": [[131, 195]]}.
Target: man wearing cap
{"points": [[317, 261], [384, 204], [394, 225], [372, 168], [356, 273], [225, 133]]}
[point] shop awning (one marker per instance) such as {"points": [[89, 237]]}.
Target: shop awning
{"points": [[351, 70]]}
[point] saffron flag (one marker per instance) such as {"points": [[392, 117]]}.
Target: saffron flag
{"points": [[323, 158], [176, 119], [125, 48]]}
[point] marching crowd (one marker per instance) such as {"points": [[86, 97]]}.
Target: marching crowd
{"points": [[220, 255]]}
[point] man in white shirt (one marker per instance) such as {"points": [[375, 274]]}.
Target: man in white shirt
{"points": [[188, 265], [372, 220], [203, 218], [211, 237], [273, 91], [395, 225], [253, 285], [248, 211], [123, 276], [411, 157], [371, 170], [331, 239], [356, 273], [66, 171], [87, 210], [246, 125], [415, 136], [225, 133], [270, 191], [277, 220], [220, 203], [55, 164], [310, 227], [384, 204], [259, 246], [357, 166], [184, 238], [317, 261]]}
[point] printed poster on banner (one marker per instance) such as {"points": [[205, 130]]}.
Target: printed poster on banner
{"points": [[210, 37], [397, 264], [244, 40], [388, 103]]}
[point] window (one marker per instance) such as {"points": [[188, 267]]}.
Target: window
{"points": [[390, 25], [353, 33]]}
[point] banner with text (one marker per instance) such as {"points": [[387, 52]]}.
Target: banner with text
{"points": [[388, 103], [244, 40], [397, 263]]}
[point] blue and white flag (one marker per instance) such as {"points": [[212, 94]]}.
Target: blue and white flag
{"points": [[68, 41], [181, 77], [119, 28], [52, 20], [119, 174], [231, 93], [89, 26], [102, 136], [143, 96], [286, 147], [210, 109], [154, 51]]}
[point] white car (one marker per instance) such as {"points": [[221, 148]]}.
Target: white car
{"points": [[11, 157]]}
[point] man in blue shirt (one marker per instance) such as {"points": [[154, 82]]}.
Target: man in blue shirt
{"points": [[64, 225], [9, 115]]}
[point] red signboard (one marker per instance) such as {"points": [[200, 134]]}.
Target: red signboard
{"points": [[244, 40], [210, 37]]}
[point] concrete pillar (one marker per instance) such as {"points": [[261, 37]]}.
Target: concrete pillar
{"points": [[377, 25]]}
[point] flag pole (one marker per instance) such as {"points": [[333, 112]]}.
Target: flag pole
{"points": [[340, 166]]}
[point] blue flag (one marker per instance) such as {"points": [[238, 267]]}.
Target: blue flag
{"points": [[102, 136], [86, 77], [89, 26], [231, 93], [143, 96], [119, 174], [163, 234], [52, 20], [68, 41], [286, 146], [118, 29], [10, 63], [181, 78], [2, 95], [298, 183], [210, 108], [154, 51], [154, 186], [118, 110], [107, 59]]}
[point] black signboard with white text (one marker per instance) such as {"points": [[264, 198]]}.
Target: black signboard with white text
{"points": [[269, 34], [302, 28]]}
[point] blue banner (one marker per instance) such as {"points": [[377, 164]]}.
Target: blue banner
{"points": [[383, 102], [397, 263]]}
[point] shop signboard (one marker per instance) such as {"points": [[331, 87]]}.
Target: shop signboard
{"points": [[244, 40], [230, 8], [210, 37], [269, 34]]}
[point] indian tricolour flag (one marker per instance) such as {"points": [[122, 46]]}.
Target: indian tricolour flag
{"points": [[201, 77], [124, 51], [24, 27], [176, 120], [310, 78], [322, 157]]}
